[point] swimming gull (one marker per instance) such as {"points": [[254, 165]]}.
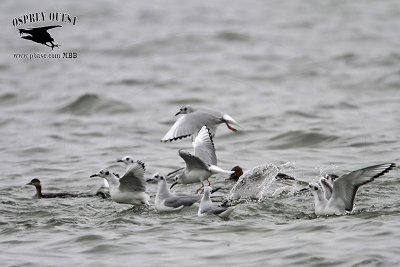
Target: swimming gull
{"points": [[130, 188], [193, 119], [207, 207], [167, 201], [345, 189], [202, 164]]}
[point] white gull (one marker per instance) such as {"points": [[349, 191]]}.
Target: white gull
{"points": [[344, 189], [195, 118]]}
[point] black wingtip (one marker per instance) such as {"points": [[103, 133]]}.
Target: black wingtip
{"points": [[210, 135], [142, 164], [175, 138], [391, 167]]}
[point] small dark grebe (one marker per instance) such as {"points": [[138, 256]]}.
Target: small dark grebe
{"points": [[36, 182]]}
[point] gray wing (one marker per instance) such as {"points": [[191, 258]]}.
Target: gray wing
{"points": [[191, 123], [327, 187], [192, 162], [214, 209], [133, 179], [204, 146], [345, 187], [176, 201]]}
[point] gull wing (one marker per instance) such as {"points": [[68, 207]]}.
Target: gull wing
{"points": [[178, 201], [192, 162], [345, 187], [133, 179], [189, 124], [327, 188], [214, 209], [204, 146]]}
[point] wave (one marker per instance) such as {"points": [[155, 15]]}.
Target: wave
{"points": [[296, 139], [129, 82], [8, 99], [296, 113], [88, 104], [231, 36]]}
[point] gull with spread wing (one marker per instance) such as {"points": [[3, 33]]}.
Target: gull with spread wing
{"points": [[201, 165], [195, 118], [130, 188], [344, 189]]}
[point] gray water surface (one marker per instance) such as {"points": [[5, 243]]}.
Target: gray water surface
{"points": [[314, 83]]}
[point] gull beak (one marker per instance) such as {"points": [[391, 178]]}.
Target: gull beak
{"points": [[29, 183], [93, 175], [149, 180], [304, 189], [120, 160], [173, 185], [177, 113]]}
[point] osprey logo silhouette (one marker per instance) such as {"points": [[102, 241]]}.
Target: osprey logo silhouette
{"points": [[42, 28], [39, 35]]}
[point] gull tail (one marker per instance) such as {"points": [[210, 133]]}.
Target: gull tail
{"points": [[215, 169], [226, 214]]}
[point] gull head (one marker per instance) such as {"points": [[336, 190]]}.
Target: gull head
{"points": [[331, 177], [155, 178], [324, 179], [185, 110], [106, 174], [207, 191], [177, 180], [127, 160], [34, 182], [314, 188]]}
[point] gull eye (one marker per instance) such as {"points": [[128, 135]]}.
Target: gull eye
{"points": [[127, 158], [315, 188], [107, 173], [185, 109]]}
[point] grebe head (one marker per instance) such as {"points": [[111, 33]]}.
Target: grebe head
{"points": [[35, 182], [237, 173]]}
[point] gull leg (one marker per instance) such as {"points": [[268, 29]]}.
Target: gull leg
{"points": [[198, 190]]}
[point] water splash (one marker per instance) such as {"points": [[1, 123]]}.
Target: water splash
{"points": [[254, 183]]}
